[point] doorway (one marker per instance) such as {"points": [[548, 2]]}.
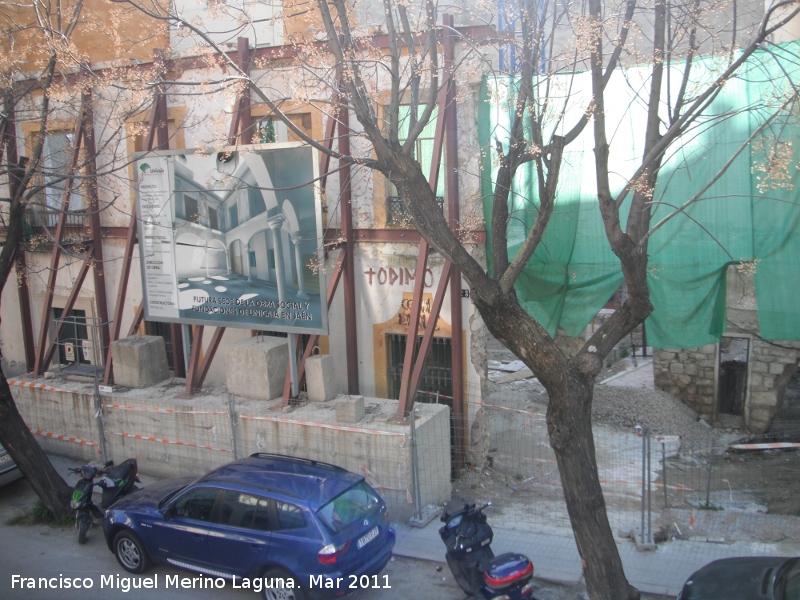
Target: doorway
{"points": [[734, 354]]}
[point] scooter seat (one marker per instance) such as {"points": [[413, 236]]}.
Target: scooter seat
{"points": [[120, 471]]}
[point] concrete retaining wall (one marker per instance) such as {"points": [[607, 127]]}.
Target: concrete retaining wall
{"points": [[175, 437]]}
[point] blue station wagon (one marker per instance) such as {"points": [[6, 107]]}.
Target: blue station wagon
{"points": [[293, 528]]}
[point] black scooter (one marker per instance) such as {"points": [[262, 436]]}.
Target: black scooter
{"points": [[115, 483], [468, 537]]}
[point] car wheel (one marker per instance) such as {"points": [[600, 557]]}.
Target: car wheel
{"points": [[83, 527], [273, 577], [130, 552]]}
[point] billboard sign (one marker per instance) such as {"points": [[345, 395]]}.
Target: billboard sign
{"points": [[232, 240]]}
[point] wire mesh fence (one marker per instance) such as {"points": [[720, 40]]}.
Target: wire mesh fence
{"points": [[666, 484]]}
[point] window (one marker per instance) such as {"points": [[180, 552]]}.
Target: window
{"points": [[272, 129], [255, 202], [191, 208], [238, 509], [289, 516], [233, 216], [262, 520], [196, 504], [354, 503], [251, 256], [213, 220], [396, 213], [73, 338], [57, 155]]}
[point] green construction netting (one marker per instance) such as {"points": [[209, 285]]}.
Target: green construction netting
{"points": [[748, 217]]}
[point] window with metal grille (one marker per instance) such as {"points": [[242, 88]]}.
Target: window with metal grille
{"points": [[437, 377]]}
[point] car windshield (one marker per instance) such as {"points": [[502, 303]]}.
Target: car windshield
{"points": [[354, 503]]}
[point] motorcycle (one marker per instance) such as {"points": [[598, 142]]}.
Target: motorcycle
{"points": [[468, 537], [115, 483]]}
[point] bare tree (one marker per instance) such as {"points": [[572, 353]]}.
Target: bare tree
{"points": [[550, 38], [46, 76]]}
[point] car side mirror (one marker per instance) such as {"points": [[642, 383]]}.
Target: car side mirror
{"points": [[168, 512]]}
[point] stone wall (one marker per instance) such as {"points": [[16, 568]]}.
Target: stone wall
{"points": [[691, 375]]}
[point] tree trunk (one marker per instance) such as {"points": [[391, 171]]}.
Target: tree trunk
{"points": [[17, 439], [570, 428]]}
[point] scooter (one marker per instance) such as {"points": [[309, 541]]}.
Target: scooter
{"points": [[115, 483], [468, 537]]}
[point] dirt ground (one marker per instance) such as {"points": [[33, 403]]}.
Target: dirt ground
{"points": [[752, 496]]}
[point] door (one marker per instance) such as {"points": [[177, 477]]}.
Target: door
{"points": [[181, 537], [239, 536]]}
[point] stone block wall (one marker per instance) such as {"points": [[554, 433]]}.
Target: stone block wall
{"points": [[771, 368], [689, 375]]}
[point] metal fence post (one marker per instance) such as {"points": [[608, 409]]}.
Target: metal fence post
{"points": [[710, 468], [415, 467], [664, 472], [234, 425]]}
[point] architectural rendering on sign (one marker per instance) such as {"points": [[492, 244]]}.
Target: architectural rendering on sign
{"points": [[232, 240]]}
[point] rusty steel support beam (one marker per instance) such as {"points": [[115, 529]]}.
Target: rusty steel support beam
{"points": [[157, 119], [345, 196], [42, 348], [333, 283], [330, 130], [130, 238], [8, 138], [98, 263], [194, 361], [70, 304], [456, 317], [23, 293], [209, 356], [138, 317], [407, 392], [241, 127], [427, 338]]}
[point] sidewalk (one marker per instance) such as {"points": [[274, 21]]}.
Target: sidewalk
{"points": [[555, 557]]}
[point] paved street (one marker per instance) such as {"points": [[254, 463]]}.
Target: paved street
{"points": [[50, 552]]}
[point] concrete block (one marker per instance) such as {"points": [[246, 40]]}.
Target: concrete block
{"points": [[350, 409], [256, 367], [139, 361], [320, 378]]}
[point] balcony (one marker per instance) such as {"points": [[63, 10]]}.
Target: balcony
{"points": [[39, 227]]}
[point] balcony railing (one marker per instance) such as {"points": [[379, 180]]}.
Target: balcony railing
{"points": [[39, 225], [397, 215]]}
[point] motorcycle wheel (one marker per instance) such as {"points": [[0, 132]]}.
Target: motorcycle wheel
{"points": [[83, 527]]}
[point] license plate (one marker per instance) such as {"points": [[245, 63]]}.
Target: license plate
{"points": [[5, 458], [367, 538]]}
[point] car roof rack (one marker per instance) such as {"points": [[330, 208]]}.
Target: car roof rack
{"points": [[310, 461]]}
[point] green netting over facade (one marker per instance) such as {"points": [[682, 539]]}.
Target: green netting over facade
{"points": [[750, 216]]}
